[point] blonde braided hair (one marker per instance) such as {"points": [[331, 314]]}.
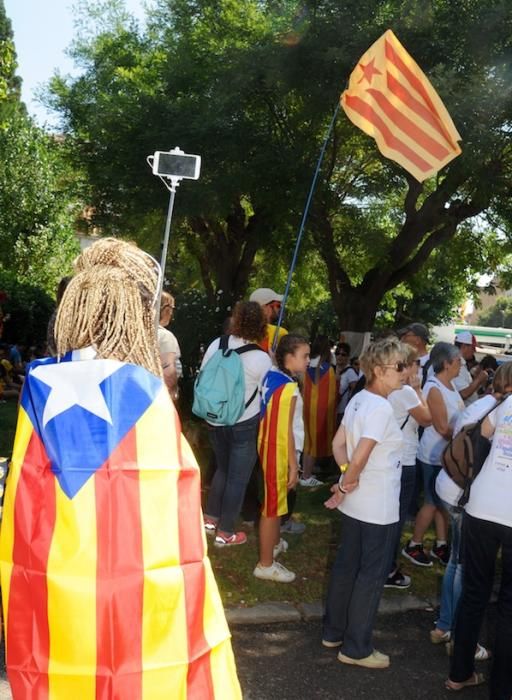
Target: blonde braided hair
{"points": [[109, 304]]}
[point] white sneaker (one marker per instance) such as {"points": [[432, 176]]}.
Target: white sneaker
{"points": [[374, 660], [277, 572], [310, 482], [280, 548]]}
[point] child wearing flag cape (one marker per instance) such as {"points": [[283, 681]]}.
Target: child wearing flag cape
{"points": [[280, 442], [106, 584]]}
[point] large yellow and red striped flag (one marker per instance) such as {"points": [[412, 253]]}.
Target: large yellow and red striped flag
{"points": [[391, 99], [277, 393], [320, 402], [107, 590]]}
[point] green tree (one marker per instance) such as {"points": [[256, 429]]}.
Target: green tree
{"points": [[37, 213], [251, 86], [498, 315], [10, 83]]}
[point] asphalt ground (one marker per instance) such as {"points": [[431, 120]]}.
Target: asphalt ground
{"points": [[288, 662]]}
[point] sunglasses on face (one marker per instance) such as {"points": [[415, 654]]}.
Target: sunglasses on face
{"points": [[398, 366]]}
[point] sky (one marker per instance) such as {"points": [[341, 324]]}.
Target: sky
{"points": [[43, 29]]}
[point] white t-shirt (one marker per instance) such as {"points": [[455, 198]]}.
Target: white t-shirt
{"points": [[256, 364], [463, 380], [376, 499], [491, 492], [432, 443], [298, 422], [348, 377], [167, 342], [404, 400], [446, 488]]}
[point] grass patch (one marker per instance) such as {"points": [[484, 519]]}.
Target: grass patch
{"points": [[310, 556]]}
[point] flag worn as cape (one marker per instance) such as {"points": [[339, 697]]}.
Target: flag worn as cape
{"points": [[392, 100], [320, 395], [107, 590], [276, 396]]}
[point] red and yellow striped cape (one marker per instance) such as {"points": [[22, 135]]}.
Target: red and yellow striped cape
{"points": [[107, 589], [277, 393], [320, 396], [268, 341]]}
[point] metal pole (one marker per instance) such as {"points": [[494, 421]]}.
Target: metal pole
{"points": [[302, 225], [165, 243]]}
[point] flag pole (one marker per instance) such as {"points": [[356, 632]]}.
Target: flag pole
{"points": [[302, 225]]}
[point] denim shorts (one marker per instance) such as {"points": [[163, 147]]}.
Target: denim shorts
{"points": [[430, 472]]}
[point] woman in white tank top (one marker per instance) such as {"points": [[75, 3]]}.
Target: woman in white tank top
{"points": [[445, 404]]}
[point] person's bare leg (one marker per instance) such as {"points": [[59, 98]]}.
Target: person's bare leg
{"points": [[424, 517], [441, 524], [308, 462], [269, 537]]}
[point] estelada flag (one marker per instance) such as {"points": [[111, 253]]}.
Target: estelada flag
{"points": [[107, 590], [273, 448], [320, 395], [391, 99]]}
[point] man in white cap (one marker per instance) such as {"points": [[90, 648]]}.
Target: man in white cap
{"points": [[464, 382], [270, 302]]}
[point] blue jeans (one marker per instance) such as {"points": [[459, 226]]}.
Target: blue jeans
{"points": [[355, 587], [430, 472], [452, 579], [235, 453], [407, 486]]}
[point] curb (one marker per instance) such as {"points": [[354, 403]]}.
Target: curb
{"points": [[270, 613]]}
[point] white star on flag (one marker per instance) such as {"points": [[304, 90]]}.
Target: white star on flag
{"points": [[264, 391], [76, 384]]}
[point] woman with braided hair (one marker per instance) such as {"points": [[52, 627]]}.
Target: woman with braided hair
{"points": [[107, 589]]}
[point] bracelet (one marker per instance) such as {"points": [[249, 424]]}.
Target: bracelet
{"points": [[342, 490], [343, 467]]}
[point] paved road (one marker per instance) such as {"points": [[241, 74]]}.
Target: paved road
{"points": [[287, 662]]}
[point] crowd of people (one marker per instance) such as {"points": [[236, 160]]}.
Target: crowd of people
{"points": [[383, 420]]}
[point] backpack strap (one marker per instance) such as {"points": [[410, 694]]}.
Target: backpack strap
{"points": [[248, 348], [424, 372], [405, 422], [223, 342], [249, 402]]}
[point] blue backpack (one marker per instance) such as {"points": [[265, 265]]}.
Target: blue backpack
{"points": [[219, 390]]}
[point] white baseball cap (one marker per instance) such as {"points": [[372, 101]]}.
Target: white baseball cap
{"points": [[465, 337], [264, 296]]}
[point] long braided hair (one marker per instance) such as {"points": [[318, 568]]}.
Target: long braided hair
{"points": [[110, 305]]}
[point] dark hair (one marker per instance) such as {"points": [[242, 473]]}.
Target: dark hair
{"points": [[248, 321], [489, 362], [287, 346], [343, 347], [321, 347]]}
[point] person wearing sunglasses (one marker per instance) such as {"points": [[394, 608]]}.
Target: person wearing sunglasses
{"points": [[270, 302], [445, 404], [368, 447]]}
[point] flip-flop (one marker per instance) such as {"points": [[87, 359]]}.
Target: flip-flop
{"points": [[475, 679]]}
